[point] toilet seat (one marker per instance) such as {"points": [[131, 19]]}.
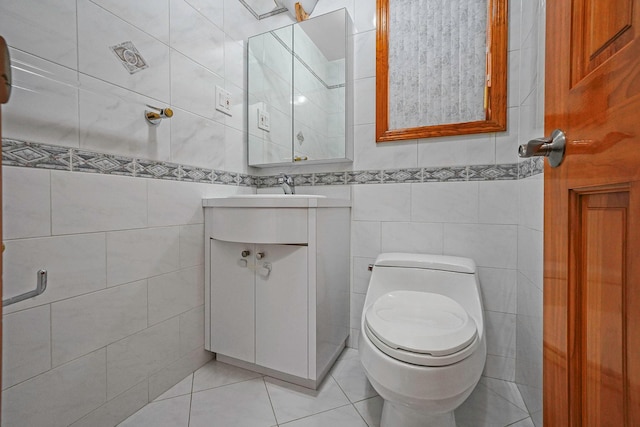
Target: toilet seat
{"points": [[421, 328]]}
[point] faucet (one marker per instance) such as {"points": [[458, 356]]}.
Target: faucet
{"points": [[286, 182]]}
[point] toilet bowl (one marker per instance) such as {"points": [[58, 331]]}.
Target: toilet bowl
{"points": [[422, 341]]}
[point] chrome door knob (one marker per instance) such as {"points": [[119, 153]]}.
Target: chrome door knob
{"points": [[552, 147]]}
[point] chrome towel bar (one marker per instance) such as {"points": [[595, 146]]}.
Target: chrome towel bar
{"points": [[40, 287]]}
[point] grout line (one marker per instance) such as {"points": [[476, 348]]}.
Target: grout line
{"points": [[270, 401]]}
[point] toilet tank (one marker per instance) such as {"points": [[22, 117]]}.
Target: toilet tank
{"points": [[454, 277]]}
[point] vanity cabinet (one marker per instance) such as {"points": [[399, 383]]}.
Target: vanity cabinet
{"points": [[277, 284]]}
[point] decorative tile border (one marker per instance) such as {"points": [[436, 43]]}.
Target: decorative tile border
{"points": [[45, 156]]}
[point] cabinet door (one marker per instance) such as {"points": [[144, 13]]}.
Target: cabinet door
{"points": [[232, 301], [282, 310]]}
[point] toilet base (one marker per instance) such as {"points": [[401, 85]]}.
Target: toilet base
{"points": [[396, 415]]}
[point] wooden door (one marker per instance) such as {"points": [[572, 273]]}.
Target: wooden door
{"points": [[5, 86], [592, 215]]}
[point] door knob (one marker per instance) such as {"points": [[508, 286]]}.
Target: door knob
{"points": [[552, 147], [259, 255], [245, 253]]}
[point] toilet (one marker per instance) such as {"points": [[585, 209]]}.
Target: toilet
{"points": [[422, 341]]}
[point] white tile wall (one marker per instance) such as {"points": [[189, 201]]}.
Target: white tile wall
{"points": [[381, 202], [75, 266], [98, 30], [175, 293], [111, 122], [63, 394], [82, 324], [195, 36], [26, 213], [445, 202], [134, 358], [44, 99], [52, 29], [85, 203], [118, 408], [138, 254], [151, 16], [27, 335]]}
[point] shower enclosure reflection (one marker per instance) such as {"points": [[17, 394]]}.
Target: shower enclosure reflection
{"points": [[300, 93]]}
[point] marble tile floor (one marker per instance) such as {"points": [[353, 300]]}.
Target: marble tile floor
{"points": [[222, 395]]}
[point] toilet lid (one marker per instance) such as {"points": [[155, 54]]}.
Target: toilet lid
{"points": [[421, 322]]}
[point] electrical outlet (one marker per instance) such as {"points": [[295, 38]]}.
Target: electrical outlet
{"points": [[264, 120], [223, 100]]}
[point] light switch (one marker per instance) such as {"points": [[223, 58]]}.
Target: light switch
{"points": [[223, 100], [264, 120]]}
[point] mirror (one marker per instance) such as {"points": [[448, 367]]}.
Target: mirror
{"points": [[441, 68], [299, 93]]}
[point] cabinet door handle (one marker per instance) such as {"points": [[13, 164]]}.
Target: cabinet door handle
{"points": [[260, 255]]}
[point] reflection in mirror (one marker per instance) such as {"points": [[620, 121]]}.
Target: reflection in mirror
{"points": [[441, 68], [269, 97], [298, 93]]}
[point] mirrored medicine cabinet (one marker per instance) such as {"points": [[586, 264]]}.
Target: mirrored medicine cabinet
{"points": [[300, 93]]}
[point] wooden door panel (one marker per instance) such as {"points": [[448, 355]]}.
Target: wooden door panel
{"points": [[599, 30], [592, 215], [597, 377]]}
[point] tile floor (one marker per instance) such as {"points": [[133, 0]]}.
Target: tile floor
{"points": [[222, 395]]}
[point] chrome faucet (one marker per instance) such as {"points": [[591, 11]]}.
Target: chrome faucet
{"points": [[286, 182]]}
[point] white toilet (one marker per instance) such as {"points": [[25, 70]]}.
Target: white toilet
{"points": [[422, 342]]}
